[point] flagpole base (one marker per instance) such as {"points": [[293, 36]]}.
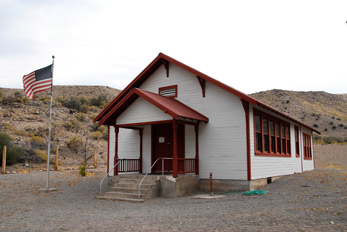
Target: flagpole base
{"points": [[47, 190]]}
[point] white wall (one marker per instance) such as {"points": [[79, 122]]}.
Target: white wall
{"points": [[128, 144], [222, 141], [142, 111], [262, 166], [189, 142]]}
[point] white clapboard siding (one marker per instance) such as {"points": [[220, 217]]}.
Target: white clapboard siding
{"points": [[147, 149], [189, 143], [111, 148], [128, 144], [222, 141], [142, 111]]}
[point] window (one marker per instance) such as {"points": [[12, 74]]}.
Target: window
{"points": [[272, 136], [168, 91], [297, 145], [307, 147]]}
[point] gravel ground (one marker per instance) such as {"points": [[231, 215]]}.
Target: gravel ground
{"points": [[313, 201]]}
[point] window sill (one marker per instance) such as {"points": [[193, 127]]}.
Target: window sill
{"points": [[307, 158], [272, 155]]}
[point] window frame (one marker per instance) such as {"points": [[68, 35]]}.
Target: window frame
{"points": [[307, 146], [168, 87], [297, 141], [282, 139]]}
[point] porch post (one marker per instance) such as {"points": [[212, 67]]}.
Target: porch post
{"points": [[141, 144], [174, 150], [115, 171], [197, 149]]}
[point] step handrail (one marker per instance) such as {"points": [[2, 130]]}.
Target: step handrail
{"points": [[119, 160], [162, 172]]}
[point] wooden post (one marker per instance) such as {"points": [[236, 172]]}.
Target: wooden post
{"points": [[56, 159], [141, 149], [3, 171], [197, 149], [174, 152], [95, 164], [211, 184], [115, 171]]}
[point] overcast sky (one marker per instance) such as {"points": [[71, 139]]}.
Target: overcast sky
{"points": [[250, 45]]}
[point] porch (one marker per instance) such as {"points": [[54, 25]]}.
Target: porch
{"points": [[165, 151]]}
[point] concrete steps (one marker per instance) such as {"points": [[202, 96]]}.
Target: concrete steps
{"points": [[125, 188]]}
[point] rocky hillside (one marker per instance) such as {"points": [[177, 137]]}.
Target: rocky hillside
{"points": [[324, 111], [73, 130]]}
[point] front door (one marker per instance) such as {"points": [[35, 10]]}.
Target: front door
{"points": [[162, 136]]}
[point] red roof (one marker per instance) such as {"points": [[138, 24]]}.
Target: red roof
{"points": [[157, 62], [170, 106]]}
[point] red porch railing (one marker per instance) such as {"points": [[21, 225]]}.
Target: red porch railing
{"points": [[187, 165], [129, 165]]}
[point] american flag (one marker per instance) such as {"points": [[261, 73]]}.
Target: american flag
{"points": [[38, 81]]}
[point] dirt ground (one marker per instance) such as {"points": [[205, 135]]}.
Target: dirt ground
{"points": [[312, 201]]}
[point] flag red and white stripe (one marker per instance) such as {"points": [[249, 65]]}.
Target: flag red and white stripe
{"points": [[33, 83]]}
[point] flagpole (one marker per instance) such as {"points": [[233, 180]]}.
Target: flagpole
{"points": [[50, 134]]}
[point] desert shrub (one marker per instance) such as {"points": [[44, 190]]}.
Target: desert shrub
{"points": [[334, 127], [72, 124], [96, 135], [37, 142], [20, 132], [42, 154], [81, 117], [315, 125], [331, 123], [46, 99], [1, 95], [8, 126], [13, 153], [100, 101], [7, 100], [75, 144], [73, 103], [82, 169], [84, 108], [341, 125]]}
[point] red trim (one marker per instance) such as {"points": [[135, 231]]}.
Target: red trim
{"points": [[282, 124], [116, 130], [169, 87], [245, 105], [174, 150], [141, 148], [314, 160], [307, 146], [297, 141], [143, 123], [169, 106], [108, 148], [157, 62]]}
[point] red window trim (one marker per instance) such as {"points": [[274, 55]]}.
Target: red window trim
{"points": [[281, 123], [297, 141], [307, 146], [169, 87]]}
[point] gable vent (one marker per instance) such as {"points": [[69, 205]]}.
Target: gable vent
{"points": [[169, 91]]}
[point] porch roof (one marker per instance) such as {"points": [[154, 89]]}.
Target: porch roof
{"points": [[170, 106]]}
